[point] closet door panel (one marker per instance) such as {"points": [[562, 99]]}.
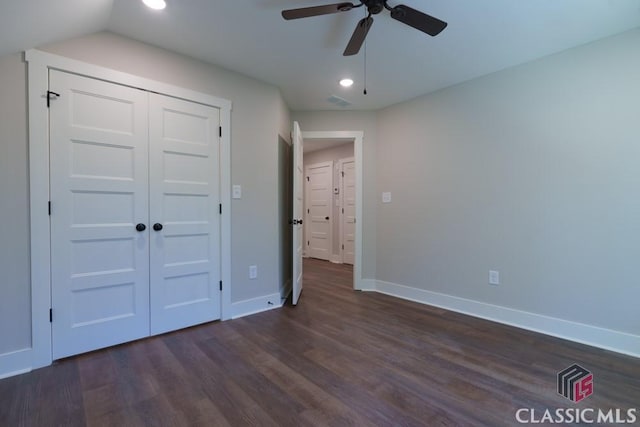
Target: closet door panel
{"points": [[184, 198], [99, 193]]}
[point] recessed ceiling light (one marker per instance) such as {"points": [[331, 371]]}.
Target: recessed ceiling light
{"points": [[346, 82], [155, 4]]}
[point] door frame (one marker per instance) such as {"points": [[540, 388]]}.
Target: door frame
{"points": [[38, 65], [341, 163], [358, 139], [307, 225]]}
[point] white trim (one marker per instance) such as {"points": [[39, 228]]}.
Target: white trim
{"points": [[341, 163], [285, 289], [358, 139], [50, 60], [256, 305], [225, 224], [607, 339], [39, 64], [336, 258], [15, 363], [368, 285]]}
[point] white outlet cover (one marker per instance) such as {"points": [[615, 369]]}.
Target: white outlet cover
{"points": [[386, 197], [253, 271], [236, 192]]}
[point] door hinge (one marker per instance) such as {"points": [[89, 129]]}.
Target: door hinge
{"points": [[343, 247], [308, 179], [342, 210], [51, 315], [220, 284], [308, 211], [220, 208], [220, 129], [51, 96], [343, 174], [307, 243], [49, 206]]}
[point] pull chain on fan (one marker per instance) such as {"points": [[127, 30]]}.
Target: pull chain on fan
{"points": [[365, 68]]}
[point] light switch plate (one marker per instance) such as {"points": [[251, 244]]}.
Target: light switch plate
{"points": [[237, 192], [494, 277], [253, 271], [386, 197]]}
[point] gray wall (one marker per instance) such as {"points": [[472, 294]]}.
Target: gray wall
{"points": [[354, 121], [333, 154], [15, 296], [259, 115], [533, 171]]}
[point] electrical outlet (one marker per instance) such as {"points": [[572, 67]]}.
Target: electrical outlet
{"points": [[253, 272], [494, 277]]}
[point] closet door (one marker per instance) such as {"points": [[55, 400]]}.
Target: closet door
{"points": [[184, 212], [99, 194]]}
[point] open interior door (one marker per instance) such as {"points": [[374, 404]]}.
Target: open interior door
{"points": [[297, 214]]}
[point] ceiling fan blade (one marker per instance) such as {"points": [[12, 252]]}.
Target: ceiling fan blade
{"points": [[418, 20], [358, 36], [307, 12]]}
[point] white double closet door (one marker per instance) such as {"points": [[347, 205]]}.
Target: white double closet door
{"points": [[135, 226]]}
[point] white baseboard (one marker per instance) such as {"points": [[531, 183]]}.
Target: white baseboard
{"points": [[336, 259], [607, 339], [255, 305], [15, 363], [367, 285], [285, 290]]}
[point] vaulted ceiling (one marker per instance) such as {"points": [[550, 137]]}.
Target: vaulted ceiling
{"points": [[304, 57]]}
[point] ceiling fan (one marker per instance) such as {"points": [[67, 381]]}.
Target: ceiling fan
{"points": [[405, 14]]}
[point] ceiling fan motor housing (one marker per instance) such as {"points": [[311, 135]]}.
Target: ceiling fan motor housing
{"points": [[374, 6]]}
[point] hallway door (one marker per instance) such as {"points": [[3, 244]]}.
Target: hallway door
{"points": [[319, 205]]}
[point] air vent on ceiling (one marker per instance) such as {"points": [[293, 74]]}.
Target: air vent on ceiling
{"points": [[340, 102]]}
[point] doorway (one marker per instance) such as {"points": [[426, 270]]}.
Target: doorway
{"points": [[351, 143]]}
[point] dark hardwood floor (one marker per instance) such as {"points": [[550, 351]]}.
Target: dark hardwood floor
{"points": [[339, 358]]}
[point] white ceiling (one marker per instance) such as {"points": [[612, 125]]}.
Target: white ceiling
{"points": [[304, 57]]}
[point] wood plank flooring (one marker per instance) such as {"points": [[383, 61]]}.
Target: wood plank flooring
{"points": [[339, 358]]}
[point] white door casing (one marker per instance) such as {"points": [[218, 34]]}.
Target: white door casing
{"points": [[359, 282], [39, 65], [184, 199], [297, 213], [319, 205], [99, 184], [348, 210]]}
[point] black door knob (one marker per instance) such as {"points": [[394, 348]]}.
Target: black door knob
{"points": [[157, 226], [141, 227], [300, 221], [327, 218]]}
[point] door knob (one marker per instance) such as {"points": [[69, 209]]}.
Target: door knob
{"points": [[141, 227], [157, 226], [327, 218]]}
